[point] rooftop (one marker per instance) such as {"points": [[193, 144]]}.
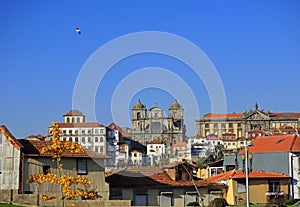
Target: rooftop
{"points": [[276, 143], [32, 148], [238, 174]]}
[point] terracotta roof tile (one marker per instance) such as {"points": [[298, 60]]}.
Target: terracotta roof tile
{"points": [[296, 145], [238, 174], [180, 144], [114, 126], [83, 124], [276, 143], [279, 114], [73, 112], [233, 115], [213, 138], [154, 142], [32, 148], [146, 177]]}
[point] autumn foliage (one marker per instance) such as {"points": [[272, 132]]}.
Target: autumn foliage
{"points": [[57, 148]]}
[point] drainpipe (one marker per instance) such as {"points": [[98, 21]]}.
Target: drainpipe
{"points": [[292, 174]]}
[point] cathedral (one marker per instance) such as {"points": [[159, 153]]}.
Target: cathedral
{"points": [[155, 125]]}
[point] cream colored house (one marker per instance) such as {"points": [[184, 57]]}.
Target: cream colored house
{"points": [[264, 187]]}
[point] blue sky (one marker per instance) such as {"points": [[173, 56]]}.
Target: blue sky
{"points": [[254, 46]]}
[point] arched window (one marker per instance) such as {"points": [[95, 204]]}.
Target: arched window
{"points": [[68, 120], [138, 115], [73, 120], [78, 119]]}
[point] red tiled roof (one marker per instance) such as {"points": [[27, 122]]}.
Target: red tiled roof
{"points": [[210, 115], [180, 144], [296, 145], [238, 174], [174, 164], [83, 124], [137, 151], [32, 148], [146, 177], [113, 126], [279, 114], [73, 112], [154, 142], [213, 138], [276, 143]]}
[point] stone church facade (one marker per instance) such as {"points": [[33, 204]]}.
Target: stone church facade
{"points": [[155, 125]]}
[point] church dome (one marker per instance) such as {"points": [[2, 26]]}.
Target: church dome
{"points": [[175, 105], [138, 105]]}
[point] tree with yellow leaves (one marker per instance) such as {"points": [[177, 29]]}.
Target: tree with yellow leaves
{"points": [[57, 148]]}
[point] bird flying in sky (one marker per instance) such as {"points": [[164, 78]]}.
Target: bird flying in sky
{"points": [[78, 31]]}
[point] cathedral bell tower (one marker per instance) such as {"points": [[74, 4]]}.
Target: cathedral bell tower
{"points": [[138, 116]]}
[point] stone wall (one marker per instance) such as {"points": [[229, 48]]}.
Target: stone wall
{"points": [[7, 196]]}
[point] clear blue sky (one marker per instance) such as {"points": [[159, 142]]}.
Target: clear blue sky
{"points": [[254, 46]]}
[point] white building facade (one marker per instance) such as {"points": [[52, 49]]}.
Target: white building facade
{"points": [[91, 135]]}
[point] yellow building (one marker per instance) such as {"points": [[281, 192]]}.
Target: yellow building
{"points": [[240, 123], [264, 187]]}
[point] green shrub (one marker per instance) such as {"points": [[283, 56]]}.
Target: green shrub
{"points": [[193, 204], [291, 202], [218, 202]]}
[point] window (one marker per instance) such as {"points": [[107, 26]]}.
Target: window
{"points": [[70, 131], [83, 139], [115, 195], [96, 139], [241, 186], [96, 149], [102, 149], [166, 199], [81, 166], [46, 169], [274, 186], [140, 198], [89, 139], [89, 131], [101, 139], [76, 139], [101, 131], [206, 125], [96, 131], [230, 125], [83, 131]]}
